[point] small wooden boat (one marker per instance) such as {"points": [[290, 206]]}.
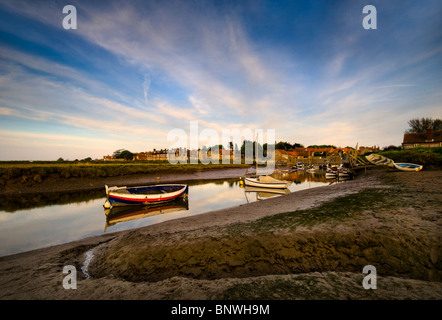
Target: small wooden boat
{"points": [[266, 182], [408, 166], [378, 159], [120, 196]]}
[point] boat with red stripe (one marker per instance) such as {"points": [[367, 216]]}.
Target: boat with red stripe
{"points": [[154, 194]]}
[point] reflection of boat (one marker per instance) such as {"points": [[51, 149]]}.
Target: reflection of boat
{"points": [[344, 173], [127, 213], [263, 193], [267, 192], [408, 166], [330, 174], [120, 196], [266, 182], [339, 172]]}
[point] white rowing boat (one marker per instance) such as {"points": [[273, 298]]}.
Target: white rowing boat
{"points": [[266, 182], [408, 166]]}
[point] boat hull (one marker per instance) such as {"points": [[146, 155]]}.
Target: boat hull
{"points": [[408, 166], [146, 195], [254, 182]]}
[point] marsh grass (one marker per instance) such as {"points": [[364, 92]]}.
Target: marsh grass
{"points": [[37, 172], [429, 157], [337, 210]]}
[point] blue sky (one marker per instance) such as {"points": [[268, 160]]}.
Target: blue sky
{"points": [[134, 70]]}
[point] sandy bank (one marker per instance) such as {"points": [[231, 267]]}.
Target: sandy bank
{"points": [[311, 244]]}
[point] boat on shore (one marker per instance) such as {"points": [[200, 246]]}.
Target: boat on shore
{"points": [[408, 166], [381, 160], [378, 159], [144, 195]]}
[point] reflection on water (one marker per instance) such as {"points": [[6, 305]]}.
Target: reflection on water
{"points": [[37, 221], [127, 213], [263, 193]]}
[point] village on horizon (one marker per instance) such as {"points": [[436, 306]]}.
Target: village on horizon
{"points": [[284, 151]]}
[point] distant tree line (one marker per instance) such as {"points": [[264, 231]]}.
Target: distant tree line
{"points": [[284, 145]]}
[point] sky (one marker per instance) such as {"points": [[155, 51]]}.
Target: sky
{"points": [[134, 71]]}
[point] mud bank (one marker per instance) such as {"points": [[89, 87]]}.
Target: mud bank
{"points": [[56, 184], [310, 244]]}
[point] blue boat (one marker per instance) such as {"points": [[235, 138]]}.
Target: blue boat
{"points": [[408, 166], [155, 194]]}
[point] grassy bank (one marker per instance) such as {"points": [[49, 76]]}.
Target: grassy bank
{"points": [[429, 157], [34, 173], [390, 226]]}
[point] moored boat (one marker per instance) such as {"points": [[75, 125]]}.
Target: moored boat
{"points": [[154, 194], [266, 182]]}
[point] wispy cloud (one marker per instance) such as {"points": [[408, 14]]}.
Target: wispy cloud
{"points": [[137, 70]]}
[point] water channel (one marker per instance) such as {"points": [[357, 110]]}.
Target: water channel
{"points": [[40, 220]]}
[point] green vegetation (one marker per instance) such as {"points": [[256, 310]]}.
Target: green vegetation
{"points": [[322, 146], [287, 145], [429, 157], [123, 154], [36, 172], [337, 211]]}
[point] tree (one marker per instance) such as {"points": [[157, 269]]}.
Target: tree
{"points": [[123, 154], [390, 148], [420, 125]]}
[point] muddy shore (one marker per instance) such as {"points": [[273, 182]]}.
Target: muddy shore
{"points": [[57, 184], [312, 244]]}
